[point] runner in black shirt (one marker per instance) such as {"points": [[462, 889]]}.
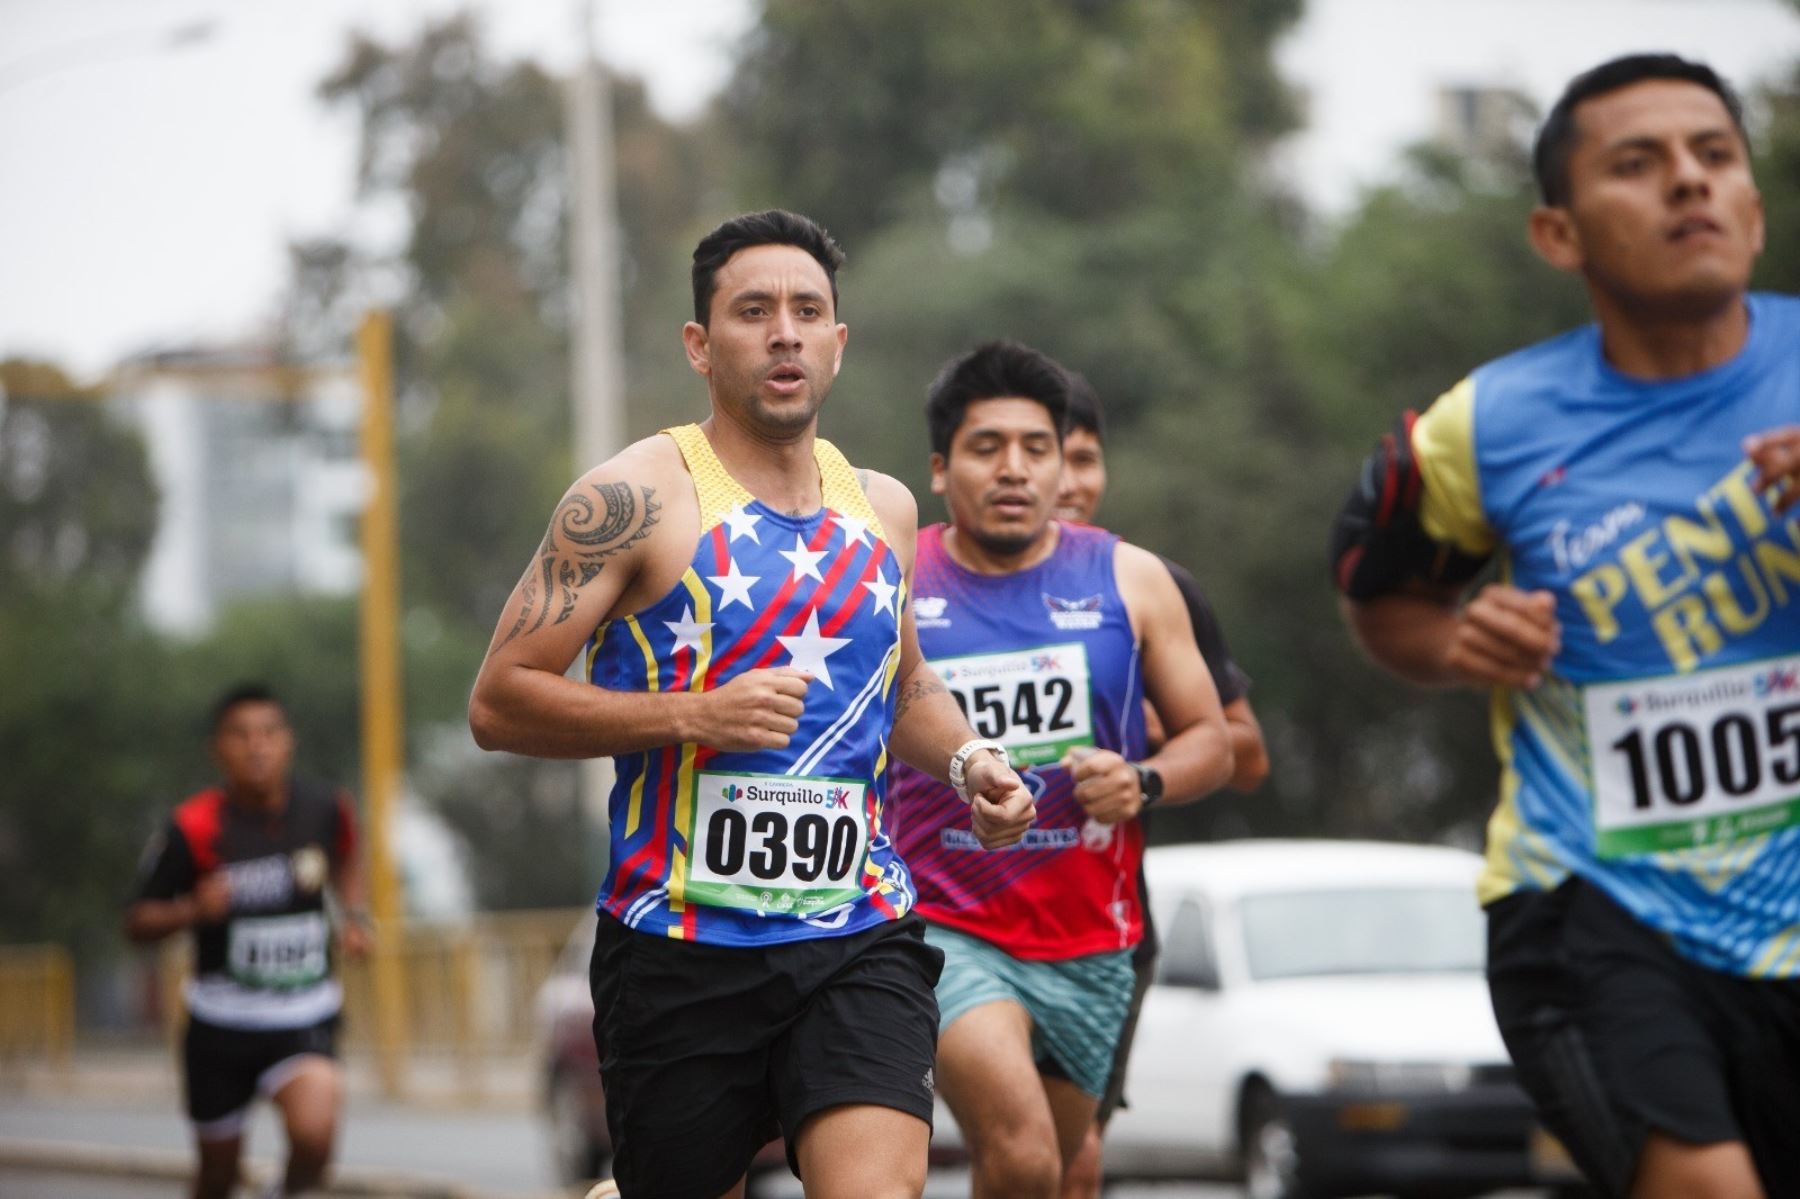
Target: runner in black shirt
{"points": [[246, 865]]}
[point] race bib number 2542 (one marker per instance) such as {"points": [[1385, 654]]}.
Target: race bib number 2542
{"points": [[1691, 760]]}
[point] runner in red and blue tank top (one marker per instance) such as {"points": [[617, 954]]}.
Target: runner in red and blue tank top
{"points": [[1050, 635], [752, 668]]}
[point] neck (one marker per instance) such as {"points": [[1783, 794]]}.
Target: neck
{"points": [[972, 556], [270, 801], [1671, 343], [782, 473]]}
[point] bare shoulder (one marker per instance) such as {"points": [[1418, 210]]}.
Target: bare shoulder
{"points": [[1144, 582], [893, 503]]}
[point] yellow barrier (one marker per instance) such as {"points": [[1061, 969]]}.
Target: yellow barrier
{"points": [[469, 987], [37, 1003]]}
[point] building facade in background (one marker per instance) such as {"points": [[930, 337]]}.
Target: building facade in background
{"points": [[260, 479]]}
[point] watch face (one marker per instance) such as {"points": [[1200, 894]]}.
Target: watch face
{"points": [[1151, 783]]}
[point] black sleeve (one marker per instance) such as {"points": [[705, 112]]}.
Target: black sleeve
{"points": [[1230, 680], [167, 867]]}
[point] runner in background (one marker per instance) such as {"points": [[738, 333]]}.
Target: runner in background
{"points": [[1050, 635], [1083, 489], [1636, 478], [245, 866]]}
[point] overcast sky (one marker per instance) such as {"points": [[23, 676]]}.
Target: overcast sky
{"points": [[149, 192]]}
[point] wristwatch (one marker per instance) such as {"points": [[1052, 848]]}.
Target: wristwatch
{"points": [[1150, 785], [960, 759]]}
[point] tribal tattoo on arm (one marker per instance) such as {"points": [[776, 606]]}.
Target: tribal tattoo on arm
{"points": [[576, 546], [915, 691]]}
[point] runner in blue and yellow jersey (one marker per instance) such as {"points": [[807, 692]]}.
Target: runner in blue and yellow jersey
{"points": [[752, 665], [1636, 479]]}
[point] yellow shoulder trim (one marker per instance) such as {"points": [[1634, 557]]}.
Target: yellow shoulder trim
{"points": [[1443, 443], [716, 490], [840, 490]]}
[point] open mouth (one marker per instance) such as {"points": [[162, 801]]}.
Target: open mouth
{"points": [[1693, 227], [786, 378], [1011, 505]]}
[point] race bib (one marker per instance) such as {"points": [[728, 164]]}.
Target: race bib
{"points": [[1694, 760], [278, 951], [1032, 701], [777, 845]]}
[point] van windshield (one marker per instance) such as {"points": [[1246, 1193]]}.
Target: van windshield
{"points": [[1364, 931]]}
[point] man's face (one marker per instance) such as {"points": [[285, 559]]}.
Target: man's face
{"points": [[1083, 477], [254, 746], [1662, 210], [1000, 479], [772, 344]]}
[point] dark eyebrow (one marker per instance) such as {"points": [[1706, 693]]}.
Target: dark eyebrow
{"points": [[1648, 142], [768, 297]]}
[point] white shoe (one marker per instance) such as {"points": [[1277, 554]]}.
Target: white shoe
{"points": [[603, 1190]]}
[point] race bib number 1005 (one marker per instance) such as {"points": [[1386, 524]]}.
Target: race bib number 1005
{"points": [[1691, 760], [775, 844], [1033, 701]]}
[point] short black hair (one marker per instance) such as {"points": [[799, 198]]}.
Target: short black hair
{"points": [[991, 371], [1084, 407], [775, 227], [237, 694], [1556, 139]]}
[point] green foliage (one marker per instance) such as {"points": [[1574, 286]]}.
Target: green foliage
{"points": [[77, 507]]}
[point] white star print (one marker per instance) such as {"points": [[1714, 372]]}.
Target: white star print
{"points": [[856, 531], [742, 524], [884, 594], [734, 586], [810, 649], [806, 562], [687, 631]]}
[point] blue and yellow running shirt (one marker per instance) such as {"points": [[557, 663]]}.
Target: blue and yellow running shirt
{"points": [[752, 848], [1660, 758]]}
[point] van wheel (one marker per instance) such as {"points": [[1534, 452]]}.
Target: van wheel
{"points": [[1270, 1151]]}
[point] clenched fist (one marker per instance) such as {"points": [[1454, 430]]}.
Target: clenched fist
{"points": [[1106, 786], [759, 709], [1000, 805]]}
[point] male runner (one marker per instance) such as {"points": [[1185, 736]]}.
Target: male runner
{"points": [[752, 664], [1636, 477], [245, 865], [1083, 487], [1050, 635]]}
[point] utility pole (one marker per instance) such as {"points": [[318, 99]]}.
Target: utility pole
{"points": [[598, 376], [383, 756]]}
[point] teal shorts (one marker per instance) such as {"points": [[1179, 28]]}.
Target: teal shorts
{"points": [[1077, 1006]]}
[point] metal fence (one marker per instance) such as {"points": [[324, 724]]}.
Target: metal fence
{"points": [[37, 1004], [467, 994]]}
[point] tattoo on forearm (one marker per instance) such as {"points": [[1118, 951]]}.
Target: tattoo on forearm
{"points": [[916, 690], [576, 546]]}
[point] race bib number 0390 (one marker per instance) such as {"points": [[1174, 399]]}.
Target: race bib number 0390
{"points": [[1700, 759], [1033, 701], [777, 845]]}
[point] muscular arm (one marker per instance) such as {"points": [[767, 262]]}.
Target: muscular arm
{"points": [[597, 544], [1196, 759], [928, 725]]}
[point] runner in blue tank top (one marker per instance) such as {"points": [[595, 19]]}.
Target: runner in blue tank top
{"points": [[1051, 635], [1637, 480], [752, 664]]}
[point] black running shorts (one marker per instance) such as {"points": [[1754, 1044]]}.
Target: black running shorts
{"points": [[709, 1052], [1614, 1035], [225, 1068]]}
